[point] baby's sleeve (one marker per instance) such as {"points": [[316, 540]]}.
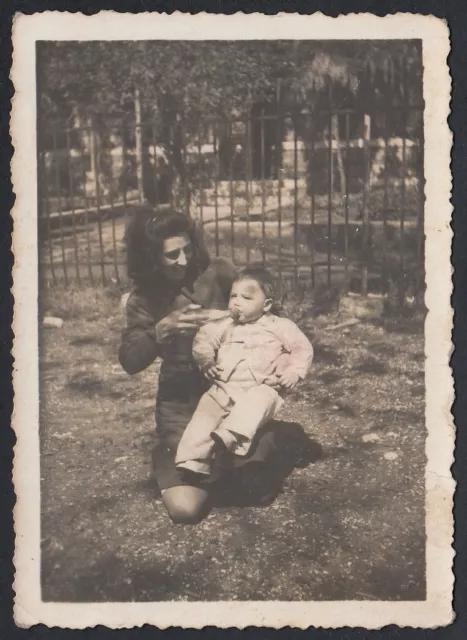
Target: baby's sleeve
{"points": [[299, 348], [207, 342]]}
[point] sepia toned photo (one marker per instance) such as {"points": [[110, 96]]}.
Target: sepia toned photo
{"points": [[232, 255]]}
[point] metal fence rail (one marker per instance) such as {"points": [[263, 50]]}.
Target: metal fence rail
{"points": [[333, 196]]}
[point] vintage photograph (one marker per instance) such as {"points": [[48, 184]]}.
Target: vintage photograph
{"points": [[231, 259]]}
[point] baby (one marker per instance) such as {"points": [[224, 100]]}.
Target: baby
{"points": [[251, 357]]}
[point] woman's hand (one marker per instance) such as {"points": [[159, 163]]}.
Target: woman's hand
{"points": [[186, 321]]}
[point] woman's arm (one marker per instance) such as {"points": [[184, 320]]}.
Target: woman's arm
{"points": [[146, 335], [139, 347]]}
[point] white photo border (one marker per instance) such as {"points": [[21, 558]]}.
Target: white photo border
{"points": [[436, 610]]}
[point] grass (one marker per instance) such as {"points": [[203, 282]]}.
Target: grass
{"points": [[349, 525]]}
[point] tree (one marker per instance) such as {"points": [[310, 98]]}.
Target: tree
{"points": [[364, 74], [183, 83]]}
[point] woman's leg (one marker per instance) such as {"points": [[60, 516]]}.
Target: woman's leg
{"points": [[186, 504], [186, 501], [256, 478], [279, 447]]}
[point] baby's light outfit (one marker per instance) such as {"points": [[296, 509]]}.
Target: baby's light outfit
{"points": [[240, 401]]}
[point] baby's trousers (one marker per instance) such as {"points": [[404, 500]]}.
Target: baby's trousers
{"points": [[235, 423]]}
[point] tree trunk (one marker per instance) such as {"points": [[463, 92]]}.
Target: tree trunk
{"points": [[92, 149], [366, 192], [340, 160]]}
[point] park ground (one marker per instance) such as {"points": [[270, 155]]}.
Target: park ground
{"points": [[349, 525]]}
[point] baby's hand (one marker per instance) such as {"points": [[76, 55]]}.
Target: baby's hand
{"points": [[212, 371], [289, 379], [273, 381]]}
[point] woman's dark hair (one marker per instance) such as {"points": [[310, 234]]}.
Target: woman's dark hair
{"points": [[145, 235]]}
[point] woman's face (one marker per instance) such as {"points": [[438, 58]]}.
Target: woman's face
{"points": [[177, 252]]}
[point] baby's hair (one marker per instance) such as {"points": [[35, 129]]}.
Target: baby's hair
{"points": [[266, 282]]}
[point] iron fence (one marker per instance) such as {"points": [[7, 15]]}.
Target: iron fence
{"points": [[331, 196]]}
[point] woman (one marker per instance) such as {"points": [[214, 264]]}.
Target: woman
{"points": [[177, 289]]}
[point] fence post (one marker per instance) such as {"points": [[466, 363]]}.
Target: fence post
{"points": [[232, 192], [366, 191], [92, 155], [139, 145], [112, 215], [95, 155], [43, 186], [58, 187], [279, 136], [346, 201], [86, 145], [402, 283], [187, 187], [330, 198], [249, 190], [420, 207], [71, 190], [311, 168], [200, 177], [216, 187], [263, 192], [155, 171], [295, 201], [384, 266]]}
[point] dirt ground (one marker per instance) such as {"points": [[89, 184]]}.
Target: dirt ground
{"points": [[349, 525]]}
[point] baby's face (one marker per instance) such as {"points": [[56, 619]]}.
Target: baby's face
{"points": [[247, 301]]}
